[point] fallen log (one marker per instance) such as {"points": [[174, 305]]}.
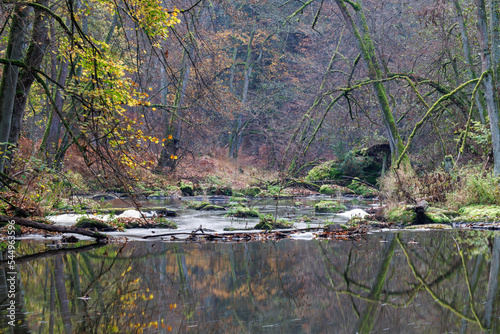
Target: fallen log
{"points": [[54, 228]]}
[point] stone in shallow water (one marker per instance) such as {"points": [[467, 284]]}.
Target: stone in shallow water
{"points": [[354, 213]]}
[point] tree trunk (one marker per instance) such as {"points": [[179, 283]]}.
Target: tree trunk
{"points": [[8, 84], [237, 135], [489, 80], [367, 50], [480, 102], [33, 59], [172, 135]]}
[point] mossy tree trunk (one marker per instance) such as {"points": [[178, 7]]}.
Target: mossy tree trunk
{"points": [[359, 29], [489, 40]]}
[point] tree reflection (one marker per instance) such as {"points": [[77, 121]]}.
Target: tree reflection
{"points": [[403, 282]]}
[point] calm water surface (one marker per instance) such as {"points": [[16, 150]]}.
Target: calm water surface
{"points": [[401, 282]]}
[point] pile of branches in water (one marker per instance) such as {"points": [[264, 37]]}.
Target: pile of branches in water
{"points": [[201, 235]]}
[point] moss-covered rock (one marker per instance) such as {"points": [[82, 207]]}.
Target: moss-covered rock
{"points": [[329, 206], [131, 222], [186, 189], [252, 191], [93, 223], [479, 213], [242, 212], [325, 171], [213, 207], [218, 190], [402, 214], [238, 199], [327, 189], [362, 190], [437, 216], [268, 223], [162, 222]]}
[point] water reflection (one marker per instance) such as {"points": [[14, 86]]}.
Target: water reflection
{"points": [[411, 282]]}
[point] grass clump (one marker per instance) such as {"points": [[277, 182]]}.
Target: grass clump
{"points": [[329, 206], [475, 188]]}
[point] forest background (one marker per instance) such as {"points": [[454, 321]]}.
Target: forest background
{"points": [[146, 96]]}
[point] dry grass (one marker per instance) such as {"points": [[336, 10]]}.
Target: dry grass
{"points": [[238, 174], [467, 186]]}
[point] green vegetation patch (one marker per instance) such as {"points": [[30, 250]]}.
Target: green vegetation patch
{"points": [[203, 206], [242, 212], [401, 214], [268, 223], [91, 223], [252, 191], [329, 206], [480, 213], [186, 188], [131, 222], [325, 171], [361, 189], [437, 216]]}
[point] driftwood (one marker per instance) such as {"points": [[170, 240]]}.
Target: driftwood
{"points": [[41, 255], [198, 234], [53, 228]]}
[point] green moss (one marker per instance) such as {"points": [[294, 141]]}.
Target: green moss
{"points": [[219, 190], [437, 216], [91, 223], [329, 206], [360, 189], [163, 222], [401, 214], [252, 191], [212, 207], [325, 171], [428, 226], [327, 189], [238, 199], [480, 213], [242, 212], [267, 223], [186, 189]]}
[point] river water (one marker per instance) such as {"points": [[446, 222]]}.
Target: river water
{"points": [[385, 282], [382, 282]]}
